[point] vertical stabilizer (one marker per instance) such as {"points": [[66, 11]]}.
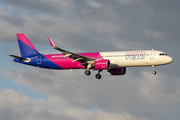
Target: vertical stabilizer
{"points": [[26, 48]]}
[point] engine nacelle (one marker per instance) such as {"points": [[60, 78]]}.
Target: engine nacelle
{"points": [[101, 64], [118, 71]]}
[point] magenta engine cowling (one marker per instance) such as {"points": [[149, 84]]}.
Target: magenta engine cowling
{"points": [[118, 71], [101, 64]]}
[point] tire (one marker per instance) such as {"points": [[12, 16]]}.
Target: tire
{"points": [[154, 72], [98, 76], [87, 72]]}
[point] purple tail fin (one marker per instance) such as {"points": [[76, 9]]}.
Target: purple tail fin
{"points": [[26, 48]]}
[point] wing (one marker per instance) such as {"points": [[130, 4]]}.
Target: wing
{"points": [[76, 57]]}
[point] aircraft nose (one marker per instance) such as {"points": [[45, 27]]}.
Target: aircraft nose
{"points": [[169, 59]]}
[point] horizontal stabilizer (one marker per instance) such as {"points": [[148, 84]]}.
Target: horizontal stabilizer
{"points": [[20, 58]]}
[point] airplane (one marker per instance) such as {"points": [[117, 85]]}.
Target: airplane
{"points": [[114, 62]]}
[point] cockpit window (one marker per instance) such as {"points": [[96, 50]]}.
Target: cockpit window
{"points": [[162, 54]]}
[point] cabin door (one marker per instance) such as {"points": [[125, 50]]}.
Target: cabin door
{"points": [[39, 59], [152, 54]]}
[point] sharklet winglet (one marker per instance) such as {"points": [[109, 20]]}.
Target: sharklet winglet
{"points": [[51, 42]]}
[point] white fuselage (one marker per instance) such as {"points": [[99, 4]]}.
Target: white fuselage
{"points": [[137, 58]]}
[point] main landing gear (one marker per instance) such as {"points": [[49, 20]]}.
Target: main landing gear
{"points": [[87, 72], [154, 72], [98, 76]]}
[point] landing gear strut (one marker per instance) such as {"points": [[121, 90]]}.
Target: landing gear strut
{"points": [[154, 72], [87, 72], [98, 76]]}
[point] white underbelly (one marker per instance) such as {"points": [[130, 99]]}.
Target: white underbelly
{"points": [[134, 63]]}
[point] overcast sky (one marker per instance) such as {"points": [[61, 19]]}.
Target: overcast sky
{"points": [[29, 93]]}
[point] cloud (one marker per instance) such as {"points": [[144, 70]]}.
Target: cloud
{"points": [[120, 94], [22, 107], [34, 5], [89, 115], [18, 107], [68, 97], [155, 35], [94, 4], [127, 1], [105, 26], [18, 101], [155, 90]]}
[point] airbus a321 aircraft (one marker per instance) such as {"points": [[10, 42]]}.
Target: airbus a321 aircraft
{"points": [[114, 62]]}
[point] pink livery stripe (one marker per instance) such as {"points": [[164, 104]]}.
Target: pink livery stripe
{"points": [[67, 63]]}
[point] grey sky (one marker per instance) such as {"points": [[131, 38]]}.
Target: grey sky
{"points": [[85, 26]]}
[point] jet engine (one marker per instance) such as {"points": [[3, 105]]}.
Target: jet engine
{"points": [[101, 64], [117, 71]]}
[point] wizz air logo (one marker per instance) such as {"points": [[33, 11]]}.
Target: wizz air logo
{"points": [[135, 55]]}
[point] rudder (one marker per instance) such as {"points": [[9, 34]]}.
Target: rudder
{"points": [[26, 48]]}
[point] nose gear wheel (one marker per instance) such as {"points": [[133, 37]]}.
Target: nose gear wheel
{"points": [[154, 72]]}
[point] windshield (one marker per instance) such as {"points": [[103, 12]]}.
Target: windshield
{"points": [[162, 54]]}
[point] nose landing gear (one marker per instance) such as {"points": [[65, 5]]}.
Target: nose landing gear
{"points": [[154, 72]]}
